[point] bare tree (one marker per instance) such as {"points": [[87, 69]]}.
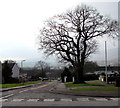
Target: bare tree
{"points": [[43, 67], [72, 36]]}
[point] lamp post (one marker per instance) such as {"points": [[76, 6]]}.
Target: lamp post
{"points": [[22, 63], [21, 69], [106, 60]]}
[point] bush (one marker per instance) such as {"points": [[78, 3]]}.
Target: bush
{"points": [[117, 81], [69, 79], [103, 73], [67, 73], [12, 80], [89, 77], [34, 78]]}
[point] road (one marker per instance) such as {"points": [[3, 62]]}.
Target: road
{"points": [[40, 95]]}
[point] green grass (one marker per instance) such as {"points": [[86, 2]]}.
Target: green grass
{"points": [[106, 88], [87, 83], [94, 85], [17, 84], [46, 81]]}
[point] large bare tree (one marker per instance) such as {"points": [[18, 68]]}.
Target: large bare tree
{"points": [[72, 36]]}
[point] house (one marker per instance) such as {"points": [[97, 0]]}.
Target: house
{"points": [[15, 69]]}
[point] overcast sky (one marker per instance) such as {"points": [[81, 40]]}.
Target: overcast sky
{"points": [[21, 20]]}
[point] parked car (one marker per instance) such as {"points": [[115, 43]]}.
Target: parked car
{"points": [[59, 79], [44, 79]]}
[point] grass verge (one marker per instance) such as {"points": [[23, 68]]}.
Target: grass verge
{"points": [[106, 88], [94, 85], [18, 84], [87, 83]]}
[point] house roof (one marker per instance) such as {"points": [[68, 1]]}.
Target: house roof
{"points": [[10, 65]]}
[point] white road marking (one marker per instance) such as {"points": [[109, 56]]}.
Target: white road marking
{"points": [[42, 86], [6, 96], [50, 100], [33, 100], [23, 91], [116, 99], [83, 99], [32, 88], [63, 99], [17, 100], [51, 89], [101, 99], [66, 99], [3, 100]]}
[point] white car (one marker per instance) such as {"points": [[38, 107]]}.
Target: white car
{"points": [[59, 79]]}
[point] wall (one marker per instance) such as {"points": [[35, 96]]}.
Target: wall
{"points": [[0, 72]]}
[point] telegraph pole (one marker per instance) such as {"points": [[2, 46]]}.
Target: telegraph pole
{"points": [[106, 60]]}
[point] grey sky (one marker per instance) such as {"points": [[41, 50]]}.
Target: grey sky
{"points": [[21, 21]]}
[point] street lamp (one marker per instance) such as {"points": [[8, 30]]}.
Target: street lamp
{"points": [[106, 60], [21, 69], [22, 63]]}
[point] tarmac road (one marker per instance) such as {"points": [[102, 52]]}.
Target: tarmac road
{"points": [[41, 95]]}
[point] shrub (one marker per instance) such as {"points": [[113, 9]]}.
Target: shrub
{"points": [[88, 77], [67, 73], [12, 80]]}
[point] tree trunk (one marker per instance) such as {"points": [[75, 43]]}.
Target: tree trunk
{"points": [[80, 66], [79, 74]]}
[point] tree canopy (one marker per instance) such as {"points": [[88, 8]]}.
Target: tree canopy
{"points": [[72, 36]]}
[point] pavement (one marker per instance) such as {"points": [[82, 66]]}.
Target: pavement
{"points": [[61, 89]]}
